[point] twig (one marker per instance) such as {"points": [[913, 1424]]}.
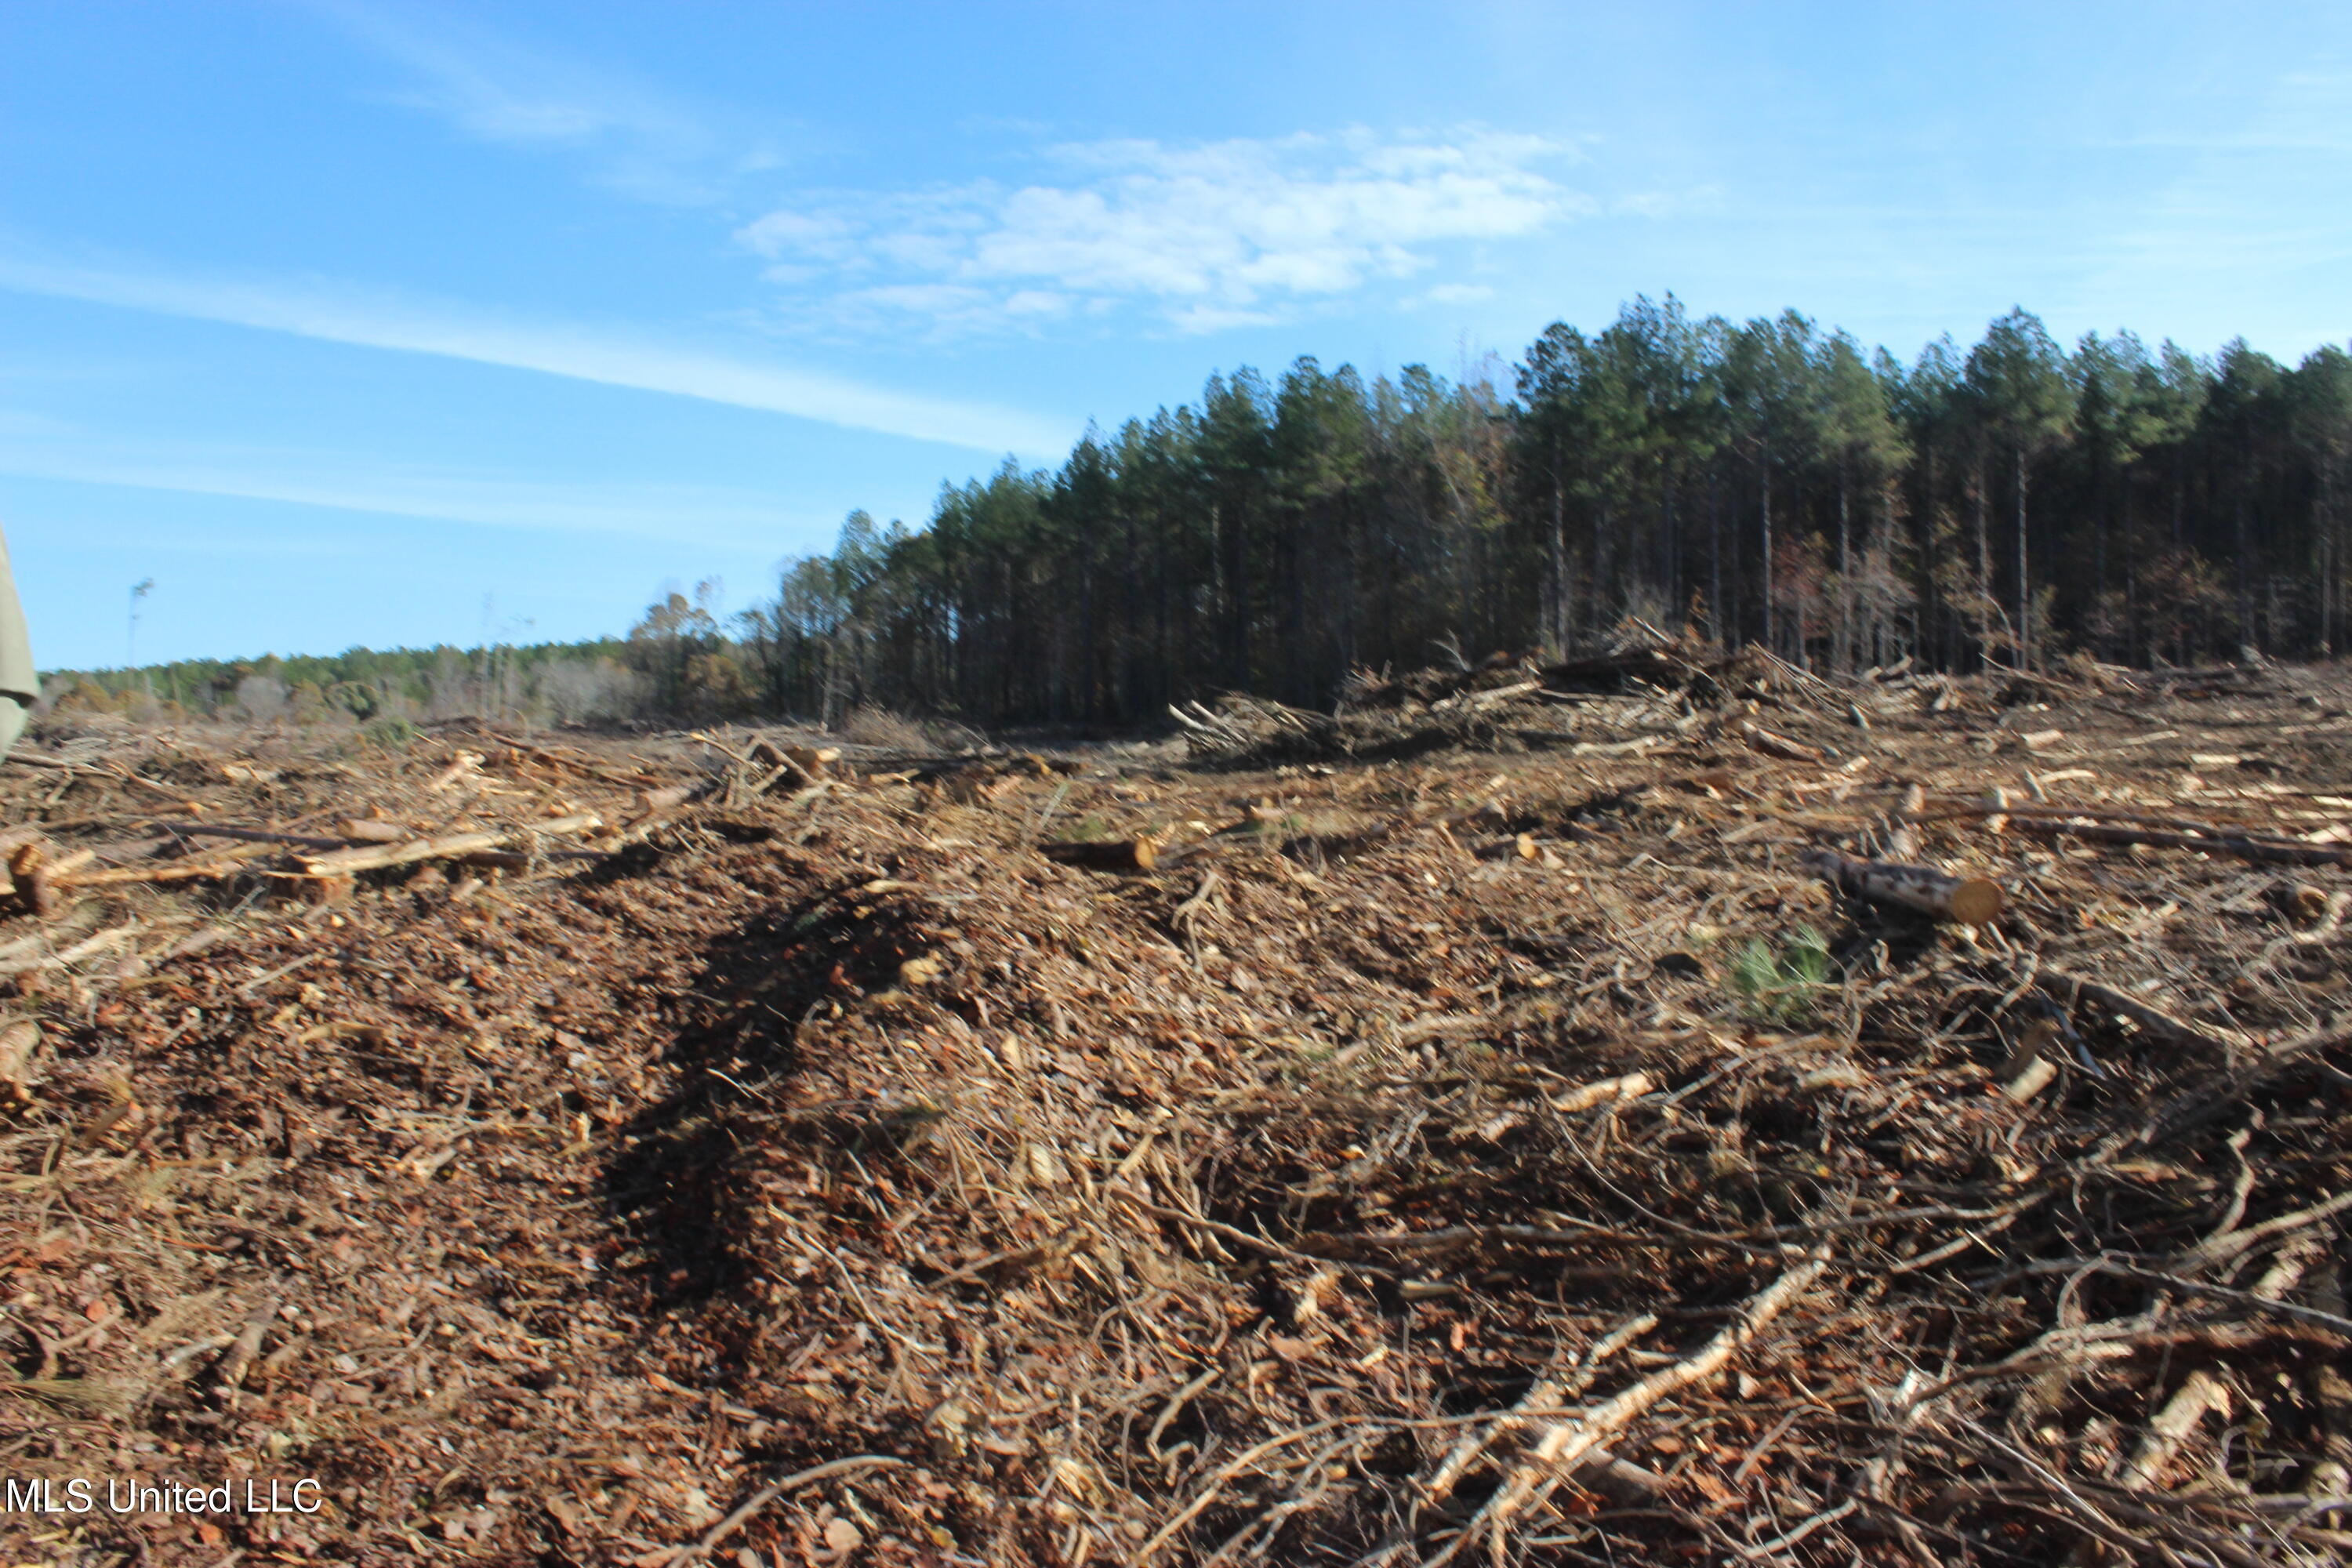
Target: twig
{"points": [[1781, 1543], [1256, 1243], [770, 1492], [2068, 990], [2221, 1249], [1560, 1448], [1546, 1391]]}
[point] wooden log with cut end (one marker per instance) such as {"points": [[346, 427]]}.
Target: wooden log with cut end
{"points": [[344, 862], [1139, 854], [1971, 901]]}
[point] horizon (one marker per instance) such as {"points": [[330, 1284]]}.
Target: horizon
{"points": [[418, 329]]}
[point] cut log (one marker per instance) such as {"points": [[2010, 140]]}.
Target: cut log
{"points": [[344, 862], [1104, 854], [1971, 901]]}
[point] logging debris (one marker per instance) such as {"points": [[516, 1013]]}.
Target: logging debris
{"points": [[652, 1149]]}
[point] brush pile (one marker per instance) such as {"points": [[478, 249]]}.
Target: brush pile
{"points": [[711, 1149]]}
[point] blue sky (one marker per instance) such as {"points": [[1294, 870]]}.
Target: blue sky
{"points": [[359, 323]]}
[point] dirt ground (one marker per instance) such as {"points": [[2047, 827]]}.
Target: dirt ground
{"points": [[1466, 1125]]}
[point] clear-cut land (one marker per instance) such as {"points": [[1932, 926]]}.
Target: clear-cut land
{"points": [[1488, 1113]]}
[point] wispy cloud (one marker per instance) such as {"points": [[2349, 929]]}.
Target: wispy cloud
{"points": [[1237, 232], [335, 314], [2253, 212], [636, 139], [34, 446]]}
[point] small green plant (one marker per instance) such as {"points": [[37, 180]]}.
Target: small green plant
{"points": [[1779, 985]]}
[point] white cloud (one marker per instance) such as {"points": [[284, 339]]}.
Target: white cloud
{"points": [[36, 446], [639, 142], [312, 310], [1206, 236]]}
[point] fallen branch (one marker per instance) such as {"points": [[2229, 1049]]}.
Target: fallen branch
{"points": [[114, 937], [2231, 1243], [1546, 1392], [1558, 1449], [342, 863], [2070, 990], [2265, 851], [222, 863], [770, 1492], [248, 835]]}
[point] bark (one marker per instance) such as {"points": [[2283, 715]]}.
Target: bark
{"points": [[1969, 900]]}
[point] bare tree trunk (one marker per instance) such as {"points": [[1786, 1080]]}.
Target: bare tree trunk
{"points": [[2024, 583], [1764, 469], [1556, 629], [1984, 550], [1724, 632], [1843, 655], [2246, 633]]}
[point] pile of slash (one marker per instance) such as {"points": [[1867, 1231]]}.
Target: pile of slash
{"points": [[1690, 1112]]}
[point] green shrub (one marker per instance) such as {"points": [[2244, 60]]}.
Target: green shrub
{"points": [[1782, 984]]}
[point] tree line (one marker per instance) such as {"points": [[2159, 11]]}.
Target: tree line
{"points": [[1769, 483]]}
